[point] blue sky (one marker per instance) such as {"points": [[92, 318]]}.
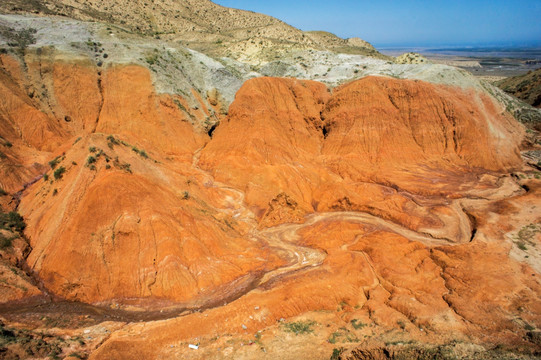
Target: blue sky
{"points": [[411, 22]]}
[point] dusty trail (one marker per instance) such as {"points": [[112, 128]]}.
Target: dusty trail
{"points": [[283, 238]]}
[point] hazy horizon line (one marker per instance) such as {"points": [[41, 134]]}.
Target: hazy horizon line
{"points": [[464, 45]]}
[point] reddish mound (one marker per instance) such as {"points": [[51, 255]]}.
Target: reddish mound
{"points": [[377, 126], [353, 204], [288, 136]]}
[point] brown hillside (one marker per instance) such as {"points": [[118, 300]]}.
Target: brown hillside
{"points": [[381, 210], [525, 87], [198, 24]]}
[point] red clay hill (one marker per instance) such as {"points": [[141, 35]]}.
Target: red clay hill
{"points": [[382, 202]]}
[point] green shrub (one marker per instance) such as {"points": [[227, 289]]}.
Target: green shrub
{"points": [[12, 221], [152, 59], [111, 142], [342, 336], [141, 153], [3, 192], [90, 160], [59, 172], [126, 167], [54, 162], [336, 352], [19, 38], [78, 355], [45, 177], [122, 166], [357, 324], [92, 149], [5, 242]]}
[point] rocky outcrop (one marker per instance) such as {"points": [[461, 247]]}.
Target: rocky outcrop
{"points": [[411, 58]]}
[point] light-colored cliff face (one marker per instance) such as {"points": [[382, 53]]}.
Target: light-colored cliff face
{"points": [[199, 24]]}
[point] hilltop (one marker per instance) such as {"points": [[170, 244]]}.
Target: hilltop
{"points": [[198, 24]]}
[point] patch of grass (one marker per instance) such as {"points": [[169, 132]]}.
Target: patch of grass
{"points": [[526, 235], [12, 221], [122, 166], [5, 241], [399, 342], [336, 352], [58, 173], [6, 335], [299, 327], [342, 336], [78, 355], [35, 344], [152, 59], [19, 39], [357, 324]]}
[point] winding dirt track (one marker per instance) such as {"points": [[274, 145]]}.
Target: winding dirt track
{"points": [[284, 238]]}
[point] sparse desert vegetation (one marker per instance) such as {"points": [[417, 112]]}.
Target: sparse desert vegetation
{"points": [[183, 180]]}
